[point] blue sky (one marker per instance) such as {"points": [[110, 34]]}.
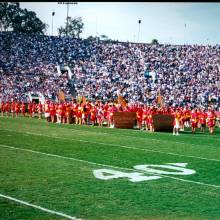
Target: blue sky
{"points": [[119, 20]]}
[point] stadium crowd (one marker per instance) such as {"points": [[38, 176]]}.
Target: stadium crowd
{"points": [[187, 75]]}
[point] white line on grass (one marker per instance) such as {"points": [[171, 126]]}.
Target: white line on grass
{"points": [[115, 145], [122, 135], [99, 164], [38, 207], [135, 131]]}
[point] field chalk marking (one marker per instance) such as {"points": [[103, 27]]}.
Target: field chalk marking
{"points": [[115, 145], [38, 207], [104, 165]]}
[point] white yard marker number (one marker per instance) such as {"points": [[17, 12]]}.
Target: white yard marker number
{"points": [[179, 169]]}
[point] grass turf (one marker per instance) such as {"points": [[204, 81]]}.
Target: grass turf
{"points": [[69, 186]]}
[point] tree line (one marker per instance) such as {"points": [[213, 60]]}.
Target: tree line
{"points": [[14, 18]]}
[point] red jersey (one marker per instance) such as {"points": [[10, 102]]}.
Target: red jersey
{"points": [[40, 108], [52, 109], [17, 107]]}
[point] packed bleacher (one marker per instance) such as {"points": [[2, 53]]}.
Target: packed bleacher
{"points": [[184, 75]]}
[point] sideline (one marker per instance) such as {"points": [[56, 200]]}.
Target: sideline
{"points": [[104, 165]]}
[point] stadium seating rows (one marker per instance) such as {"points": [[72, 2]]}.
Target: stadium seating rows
{"points": [[187, 74]]}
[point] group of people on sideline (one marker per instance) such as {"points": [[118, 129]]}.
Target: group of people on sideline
{"points": [[101, 114]]}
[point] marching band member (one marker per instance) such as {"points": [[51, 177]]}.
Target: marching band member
{"points": [[211, 117]]}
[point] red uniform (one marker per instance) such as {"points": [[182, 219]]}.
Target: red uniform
{"points": [[194, 120], [7, 107], [202, 118], [79, 112], [40, 108], [17, 107], [139, 115], [47, 110], [30, 109], [144, 115], [59, 110], [52, 109], [13, 107], [68, 110], [23, 108], [211, 119], [2, 107], [93, 114]]}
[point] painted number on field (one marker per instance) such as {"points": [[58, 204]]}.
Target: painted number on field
{"points": [[152, 169]]}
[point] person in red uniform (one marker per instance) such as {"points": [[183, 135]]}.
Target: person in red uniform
{"points": [[187, 116], [84, 114], [100, 115], [30, 109], [139, 115], [23, 108], [74, 112], [47, 110], [2, 108], [202, 120], [58, 112], [194, 120], [218, 117], [52, 111], [7, 108], [110, 116], [211, 117], [63, 113], [34, 109], [68, 113], [17, 108], [105, 109], [150, 118], [40, 110], [93, 115], [144, 116], [176, 123], [13, 108]]}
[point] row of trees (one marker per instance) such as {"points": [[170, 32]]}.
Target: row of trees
{"points": [[14, 18]]}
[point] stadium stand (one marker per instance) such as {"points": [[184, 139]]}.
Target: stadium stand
{"points": [[185, 75]]}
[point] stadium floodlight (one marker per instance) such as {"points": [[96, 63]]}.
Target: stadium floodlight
{"points": [[139, 24], [53, 13], [67, 13]]}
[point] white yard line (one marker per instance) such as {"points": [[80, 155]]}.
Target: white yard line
{"points": [[39, 207], [104, 165], [115, 145]]}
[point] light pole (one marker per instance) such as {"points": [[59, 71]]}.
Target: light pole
{"points": [[184, 34], [139, 24], [53, 13], [67, 12]]}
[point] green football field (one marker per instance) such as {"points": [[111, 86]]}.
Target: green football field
{"points": [[54, 171]]}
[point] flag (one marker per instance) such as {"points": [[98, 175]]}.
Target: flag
{"points": [[83, 100], [160, 100], [122, 101], [61, 96]]}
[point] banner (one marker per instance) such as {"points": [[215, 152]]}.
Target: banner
{"points": [[163, 122], [124, 119]]}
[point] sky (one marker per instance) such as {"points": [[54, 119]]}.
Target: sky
{"points": [[174, 23]]}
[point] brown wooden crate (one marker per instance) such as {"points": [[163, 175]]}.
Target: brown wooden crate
{"points": [[124, 119], [163, 122]]}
